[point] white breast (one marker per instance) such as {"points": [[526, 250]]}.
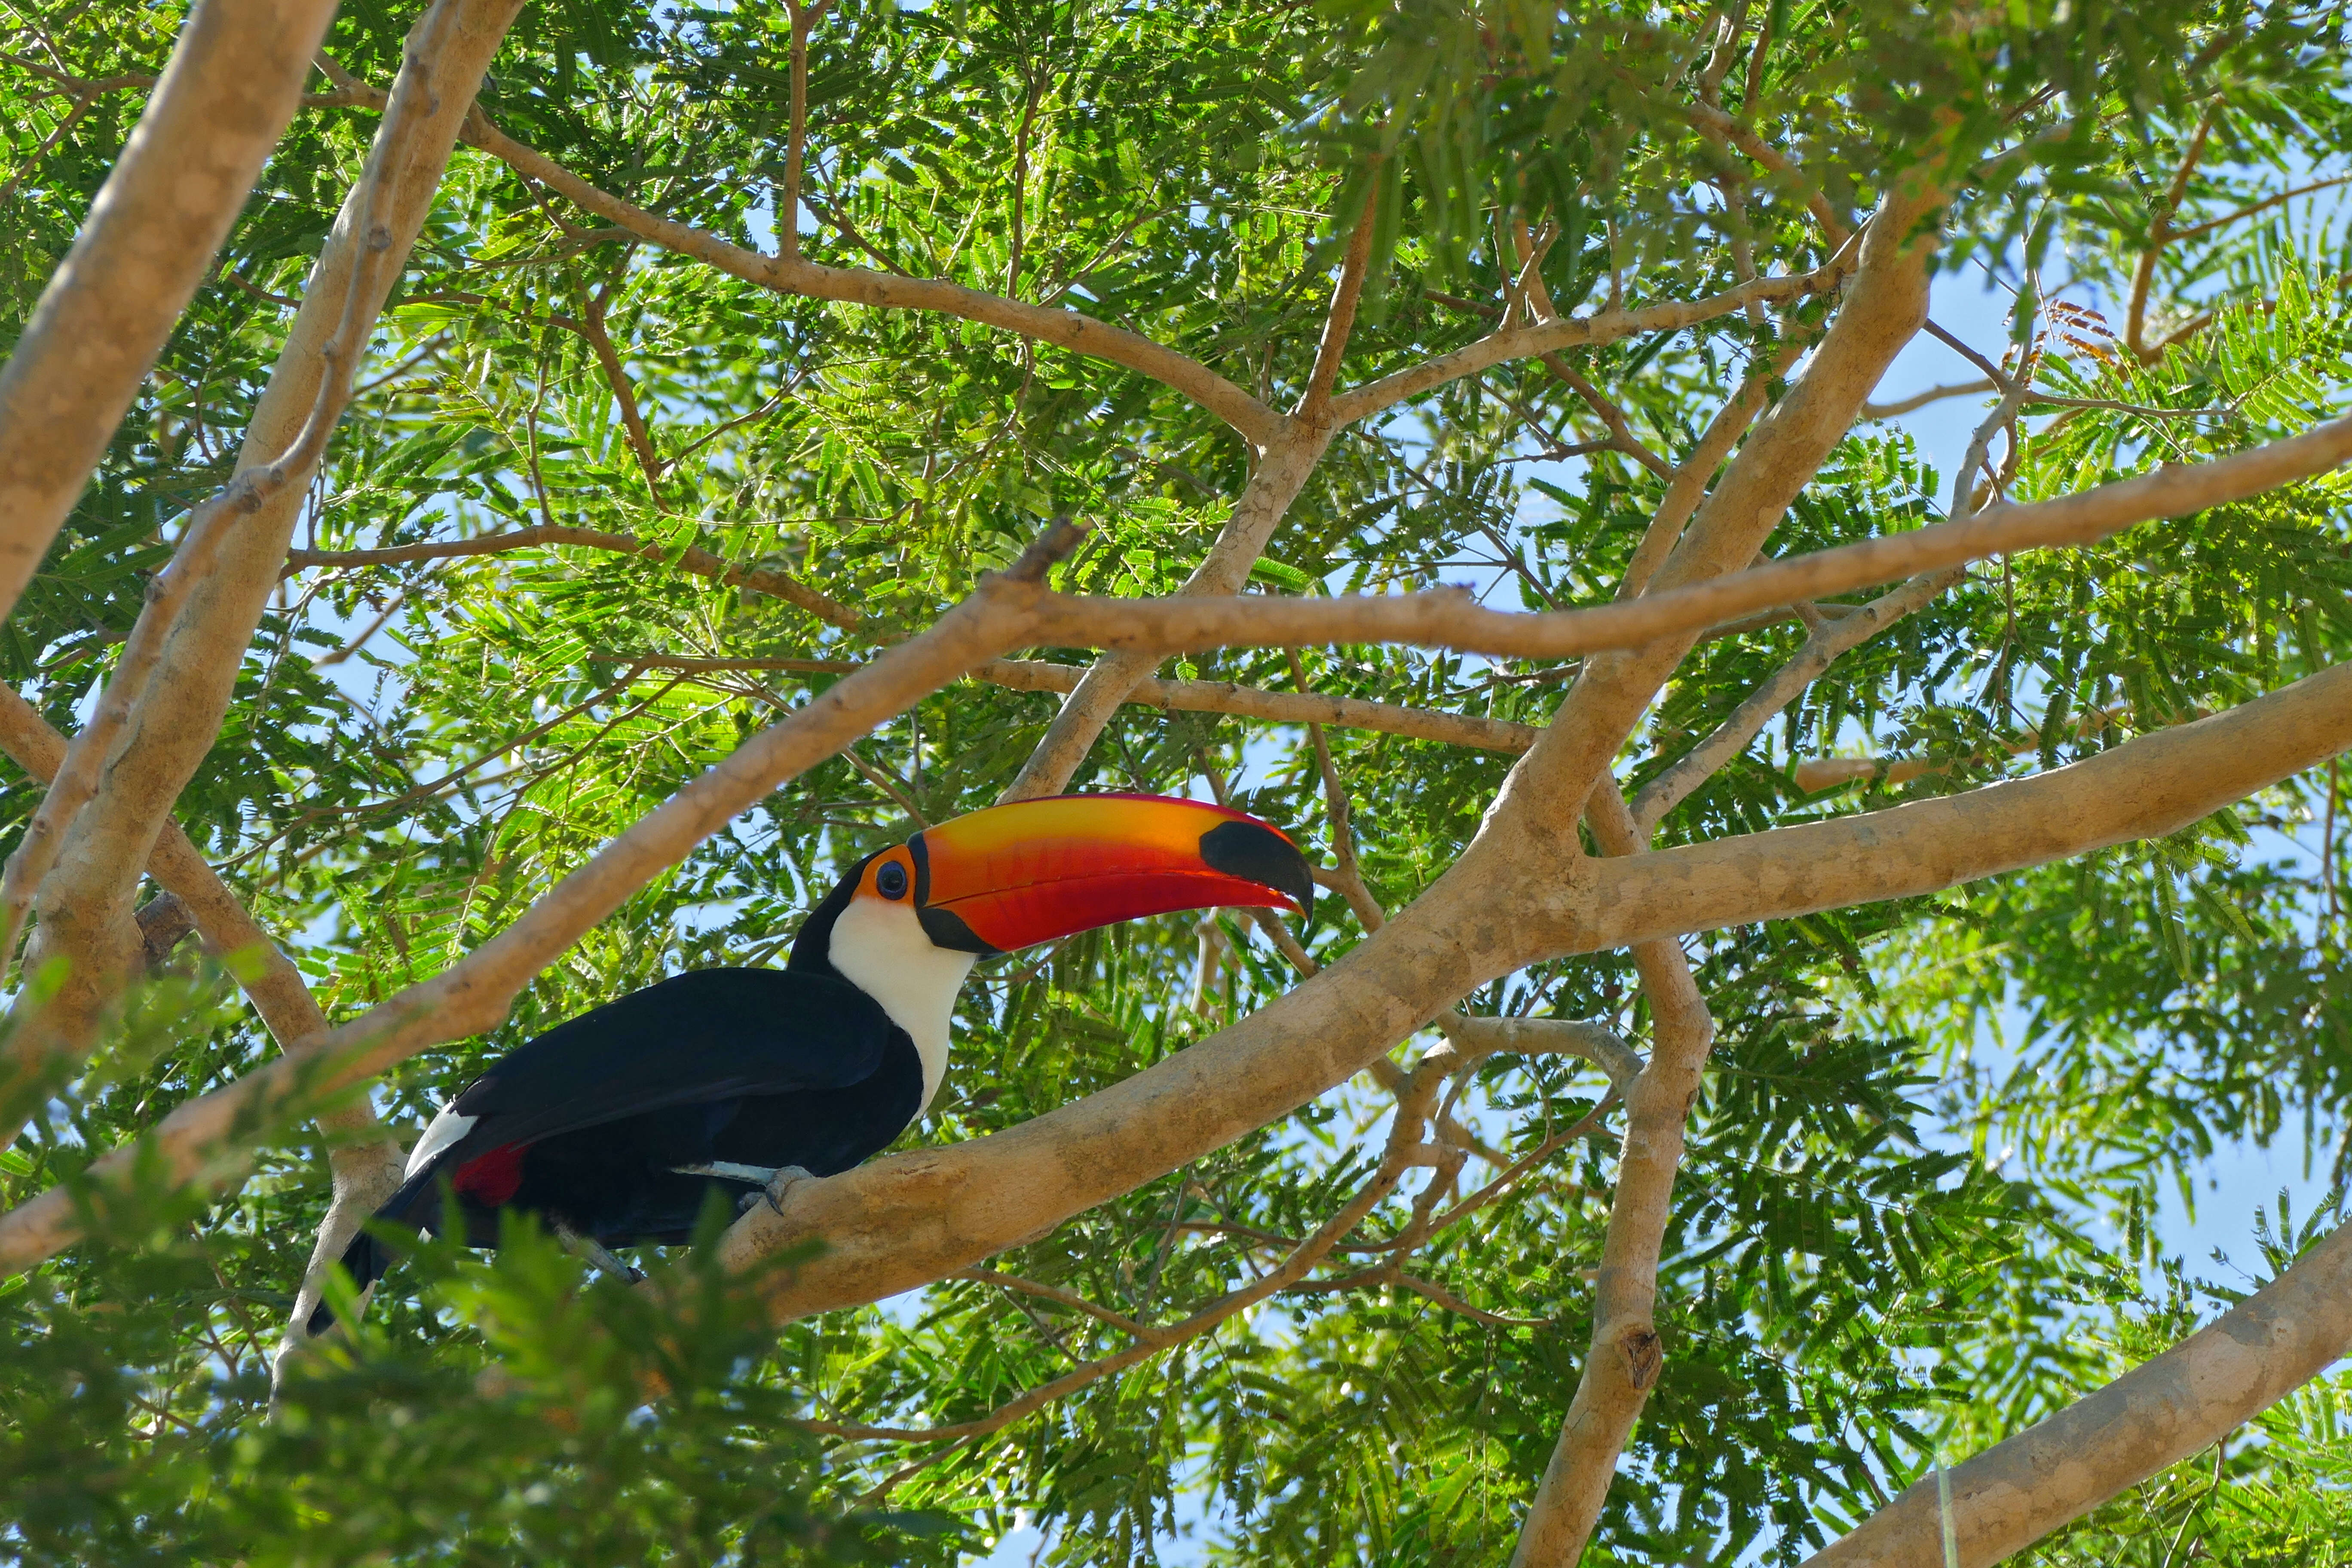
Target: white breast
{"points": [[880, 947]]}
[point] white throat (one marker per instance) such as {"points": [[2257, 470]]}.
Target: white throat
{"points": [[881, 948]]}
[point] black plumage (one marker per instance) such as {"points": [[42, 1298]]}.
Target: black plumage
{"points": [[584, 1124]]}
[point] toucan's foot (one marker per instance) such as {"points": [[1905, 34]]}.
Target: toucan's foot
{"points": [[777, 1179], [594, 1252], [782, 1182]]}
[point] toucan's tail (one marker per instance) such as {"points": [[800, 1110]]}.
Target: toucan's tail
{"points": [[366, 1258]]}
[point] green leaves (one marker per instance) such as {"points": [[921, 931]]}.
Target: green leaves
{"points": [[1890, 1241]]}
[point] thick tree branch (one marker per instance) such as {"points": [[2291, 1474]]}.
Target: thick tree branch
{"points": [[1281, 473], [898, 1222], [2058, 1469], [1403, 1150], [473, 995], [365, 1169], [1696, 470], [2148, 786], [234, 81], [1626, 1356], [1877, 316], [98, 848], [1449, 617]]}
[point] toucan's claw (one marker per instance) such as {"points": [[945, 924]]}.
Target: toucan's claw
{"points": [[783, 1182]]}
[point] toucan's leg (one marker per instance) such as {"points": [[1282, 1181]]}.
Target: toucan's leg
{"points": [[729, 1169], [777, 1179], [594, 1252]]}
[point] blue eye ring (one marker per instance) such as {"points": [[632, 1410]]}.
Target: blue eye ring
{"points": [[891, 879]]}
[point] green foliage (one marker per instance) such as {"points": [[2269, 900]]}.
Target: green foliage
{"points": [[1856, 1279]]}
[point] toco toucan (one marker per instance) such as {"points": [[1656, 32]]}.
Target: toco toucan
{"points": [[615, 1125]]}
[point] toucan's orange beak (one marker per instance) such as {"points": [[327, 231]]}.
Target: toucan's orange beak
{"points": [[1037, 869]]}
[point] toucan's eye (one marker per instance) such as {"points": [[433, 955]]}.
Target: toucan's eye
{"points": [[891, 879]]}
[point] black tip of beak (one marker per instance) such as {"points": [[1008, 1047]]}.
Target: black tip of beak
{"points": [[1260, 855]]}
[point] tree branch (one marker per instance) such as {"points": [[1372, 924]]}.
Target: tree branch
{"points": [[2151, 785], [97, 847], [1281, 473], [2157, 1415], [365, 1168], [1449, 617], [1721, 128], [1404, 1149], [788, 274], [1877, 316], [235, 80], [473, 995], [1696, 471], [788, 207], [1829, 640], [2198, 231], [1626, 1356], [1918, 400], [2160, 234], [592, 328], [1279, 707], [1620, 429], [1823, 648], [696, 560], [1339, 322], [1609, 326]]}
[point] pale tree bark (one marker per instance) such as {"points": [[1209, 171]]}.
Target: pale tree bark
{"points": [[1882, 310], [85, 901], [1281, 473], [896, 1223], [1283, 467], [1567, 774], [1828, 641], [364, 1163], [234, 81], [2055, 1471], [471, 996], [1506, 904], [1626, 1356]]}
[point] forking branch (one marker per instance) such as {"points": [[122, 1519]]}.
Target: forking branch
{"points": [[201, 539]]}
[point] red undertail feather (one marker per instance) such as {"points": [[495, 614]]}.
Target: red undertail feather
{"points": [[491, 1179]]}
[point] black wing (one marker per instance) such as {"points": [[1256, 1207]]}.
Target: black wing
{"points": [[712, 1034]]}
